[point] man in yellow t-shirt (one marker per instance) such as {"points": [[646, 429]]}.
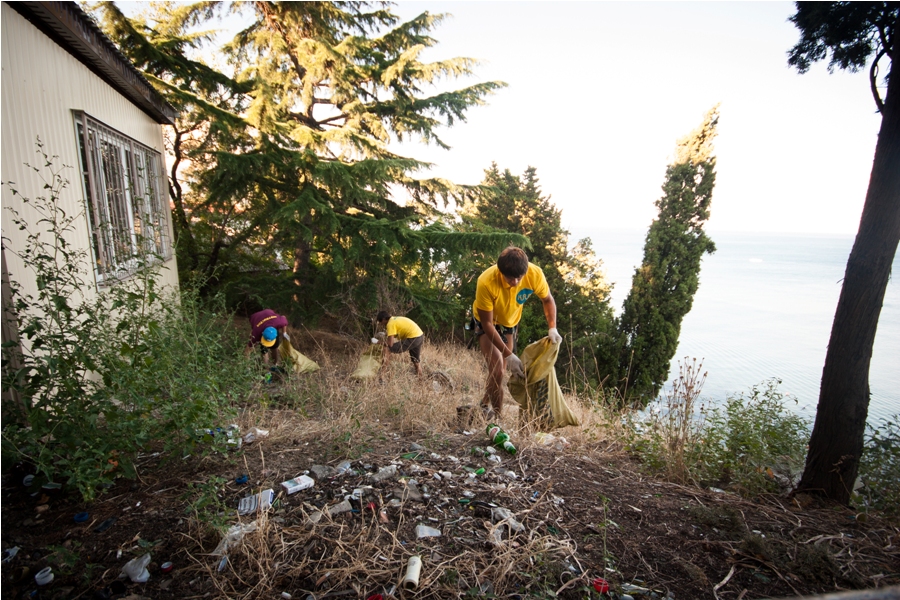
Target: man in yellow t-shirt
{"points": [[402, 335], [499, 296]]}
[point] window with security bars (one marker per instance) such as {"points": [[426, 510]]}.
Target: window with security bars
{"points": [[125, 199]]}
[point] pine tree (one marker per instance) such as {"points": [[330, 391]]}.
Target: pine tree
{"points": [[289, 168], [663, 287], [849, 34]]}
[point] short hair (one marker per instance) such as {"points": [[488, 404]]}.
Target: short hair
{"points": [[513, 262], [383, 315]]}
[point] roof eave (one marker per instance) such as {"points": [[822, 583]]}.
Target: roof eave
{"points": [[71, 28]]}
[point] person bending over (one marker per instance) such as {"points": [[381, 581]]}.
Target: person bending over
{"points": [[499, 296], [267, 330], [403, 335]]}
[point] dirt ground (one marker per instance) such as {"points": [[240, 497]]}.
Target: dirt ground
{"points": [[578, 512]]}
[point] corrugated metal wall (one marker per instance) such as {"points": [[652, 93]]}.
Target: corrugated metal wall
{"points": [[42, 85]]}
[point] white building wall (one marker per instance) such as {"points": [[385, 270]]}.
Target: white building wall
{"points": [[41, 86]]}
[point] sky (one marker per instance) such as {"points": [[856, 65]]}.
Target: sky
{"points": [[599, 93]]}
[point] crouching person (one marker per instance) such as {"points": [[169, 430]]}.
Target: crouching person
{"points": [[267, 331], [402, 335]]}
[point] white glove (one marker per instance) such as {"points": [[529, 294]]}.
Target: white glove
{"points": [[554, 336], [515, 366]]}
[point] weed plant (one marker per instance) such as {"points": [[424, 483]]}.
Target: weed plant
{"points": [[752, 443], [99, 376], [879, 470]]}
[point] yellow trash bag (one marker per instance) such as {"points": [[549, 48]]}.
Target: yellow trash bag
{"points": [[369, 363], [539, 396], [295, 361]]}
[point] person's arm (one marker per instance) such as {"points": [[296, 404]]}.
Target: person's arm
{"points": [[549, 310], [549, 305], [486, 318], [388, 344]]}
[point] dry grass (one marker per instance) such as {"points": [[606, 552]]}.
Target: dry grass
{"points": [[347, 556]]}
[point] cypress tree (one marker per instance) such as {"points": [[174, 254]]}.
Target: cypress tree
{"points": [[663, 287]]}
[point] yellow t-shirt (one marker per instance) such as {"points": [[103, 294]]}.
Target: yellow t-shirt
{"points": [[402, 328], [493, 293]]}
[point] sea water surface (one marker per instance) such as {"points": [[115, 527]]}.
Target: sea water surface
{"points": [[764, 310]]}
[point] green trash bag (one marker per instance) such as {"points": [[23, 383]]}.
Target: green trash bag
{"points": [[540, 398]]}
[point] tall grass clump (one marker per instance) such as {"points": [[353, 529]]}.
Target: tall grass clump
{"points": [[670, 438], [879, 469], [752, 443], [96, 378]]}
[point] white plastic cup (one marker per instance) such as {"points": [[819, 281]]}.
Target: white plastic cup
{"points": [[413, 568], [44, 576]]}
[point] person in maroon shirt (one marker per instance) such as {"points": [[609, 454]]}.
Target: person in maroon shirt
{"points": [[267, 330]]}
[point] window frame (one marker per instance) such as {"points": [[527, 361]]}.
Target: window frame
{"points": [[123, 184]]}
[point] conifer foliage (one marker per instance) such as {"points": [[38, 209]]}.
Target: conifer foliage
{"points": [[288, 182], [663, 287]]}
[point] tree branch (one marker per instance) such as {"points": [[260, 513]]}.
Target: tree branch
{"points": [[873, 80]]}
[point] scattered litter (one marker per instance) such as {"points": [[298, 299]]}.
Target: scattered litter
{"points": [[601, 585], [388, 472], [717, 490], [339, 508], [320, 472], [166, 567], [44, 576], [504, 515], [343, 468], [222, 564], [241, 480], [105, 525], [81, 517], [136, 569], [261, 501], [255, 434], [426, 531], [296, 484], [234, 535], [411, 578], [10, 553]]}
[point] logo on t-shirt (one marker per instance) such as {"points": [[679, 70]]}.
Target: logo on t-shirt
{"points": [[523, 295]]}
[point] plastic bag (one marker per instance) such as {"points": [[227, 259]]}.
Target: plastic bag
{"points": [[539, 396], [369, 363], [296, 361], [136, 569]]}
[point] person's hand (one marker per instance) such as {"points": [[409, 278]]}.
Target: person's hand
{"points": [[554, 336], [515, 366]]}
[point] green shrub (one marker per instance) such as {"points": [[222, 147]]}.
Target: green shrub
{"points": [[879, 469], [752, 443], [100, 378]]}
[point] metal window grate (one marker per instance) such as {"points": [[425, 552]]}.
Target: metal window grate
{"points": [[123, 188]]}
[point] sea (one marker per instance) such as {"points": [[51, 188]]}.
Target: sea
{"points": [[764, 310]]}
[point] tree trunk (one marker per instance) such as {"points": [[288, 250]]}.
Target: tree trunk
{"points": [[836, 445]]}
